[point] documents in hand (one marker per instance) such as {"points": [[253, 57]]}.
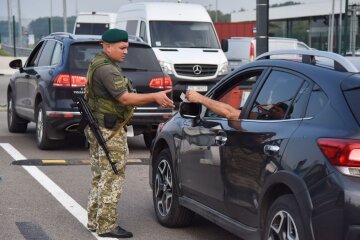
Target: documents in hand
{"points": [[183, 97]]}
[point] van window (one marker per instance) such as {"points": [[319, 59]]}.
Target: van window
{"points": [[143, 31], [177, 34], [131, 27], [91, 28]]}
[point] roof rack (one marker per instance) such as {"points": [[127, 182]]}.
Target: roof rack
{"points": [[340, 63], [65, 34]]}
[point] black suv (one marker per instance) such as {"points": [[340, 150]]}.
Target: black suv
{"points": [[43, 89], [266, 175]]}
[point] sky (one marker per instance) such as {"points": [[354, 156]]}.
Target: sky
{"points": [[32, 9]]}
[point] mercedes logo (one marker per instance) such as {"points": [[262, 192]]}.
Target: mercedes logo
{"points": [[197, 69]]}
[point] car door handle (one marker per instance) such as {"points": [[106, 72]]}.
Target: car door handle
{"points": [[220, 140], [271, 149]]}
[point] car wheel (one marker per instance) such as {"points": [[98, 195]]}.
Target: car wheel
{"points": [[15, 123], [284, 220], [43, 142], [165, 194], [148, 138]]}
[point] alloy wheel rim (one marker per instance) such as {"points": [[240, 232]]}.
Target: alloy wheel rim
{"points": [[163, 187], [283, 227], [40, 125]]}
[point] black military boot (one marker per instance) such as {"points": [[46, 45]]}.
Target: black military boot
{"points": [[118, 232]]}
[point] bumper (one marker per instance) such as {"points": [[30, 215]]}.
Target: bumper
{"points": [[337, 209], [60, 123], [147, 119]]}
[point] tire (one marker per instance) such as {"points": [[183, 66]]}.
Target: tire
{"points": [[148, 138], [284, 220], [168, 211], [15, 123], [42, 140]]}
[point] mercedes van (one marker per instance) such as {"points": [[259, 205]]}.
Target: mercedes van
{"points": [[183, 38], [94, 23]]}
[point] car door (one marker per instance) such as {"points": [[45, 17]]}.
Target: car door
{"points": [[202, 142], [43, 72], [256, 142], [22, 81]]}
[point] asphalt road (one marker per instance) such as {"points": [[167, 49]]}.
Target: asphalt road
{"points": [[49, 202]]}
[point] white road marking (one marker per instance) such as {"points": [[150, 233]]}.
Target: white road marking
{"points": [[70, 204]]}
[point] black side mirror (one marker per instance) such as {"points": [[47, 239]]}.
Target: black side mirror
{"points": [[224, 44], [190, 110], [16, 64]]}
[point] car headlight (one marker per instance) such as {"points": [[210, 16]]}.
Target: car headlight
{"points": [[224, 69], [166, 67]]}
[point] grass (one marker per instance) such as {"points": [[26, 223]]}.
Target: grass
{"points": [[3, 53]]}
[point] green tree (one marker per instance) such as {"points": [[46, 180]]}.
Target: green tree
{"points": [[4, 30], [40, 26], [220, 16]]}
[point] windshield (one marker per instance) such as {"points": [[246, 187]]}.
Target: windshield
{"points": [[175, 34], [139, 57], [91, 28]]}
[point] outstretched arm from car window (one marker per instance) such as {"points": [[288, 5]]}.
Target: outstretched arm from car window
{"points": [[217, 107]]}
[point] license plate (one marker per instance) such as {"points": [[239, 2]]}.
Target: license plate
{"points": [[198, 88]]}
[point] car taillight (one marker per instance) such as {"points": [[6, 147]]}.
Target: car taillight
{"points": [[161, 83], [69, 81], [252, 52], [341, 152]]}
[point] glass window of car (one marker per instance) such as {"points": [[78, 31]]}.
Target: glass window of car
{"points": [[236, 91], [56, 57], [81, 54], [317, 101], [179, 34], [46, 54], [131, 27], [276, 97], [141, 58], [34, 56]]}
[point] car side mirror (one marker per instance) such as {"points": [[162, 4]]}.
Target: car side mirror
{"points": [[190, 110], [16, 64], [224, 44]]}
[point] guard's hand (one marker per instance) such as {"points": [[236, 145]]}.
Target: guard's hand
{"points": [[193, 96], [163, 100]]}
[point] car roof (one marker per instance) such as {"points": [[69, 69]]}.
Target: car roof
{"points": [[89, 38]]}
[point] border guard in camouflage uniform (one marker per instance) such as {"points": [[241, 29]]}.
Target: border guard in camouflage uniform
{"points": [[112, 101]]}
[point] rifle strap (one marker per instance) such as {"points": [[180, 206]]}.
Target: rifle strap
{"points": [[121, 125]]}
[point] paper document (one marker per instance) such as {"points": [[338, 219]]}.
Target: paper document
{"points": [[183, 97]]}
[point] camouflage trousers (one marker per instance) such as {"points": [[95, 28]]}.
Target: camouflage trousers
{"points": [[106, 186]]}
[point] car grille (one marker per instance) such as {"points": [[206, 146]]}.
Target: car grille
{"points": [[195, 70]]}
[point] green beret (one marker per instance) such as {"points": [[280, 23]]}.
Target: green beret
{"points": [[114, 35]]}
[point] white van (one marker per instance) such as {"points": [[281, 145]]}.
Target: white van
{"points": [[242, 50], [94, 23], [183, 38]]}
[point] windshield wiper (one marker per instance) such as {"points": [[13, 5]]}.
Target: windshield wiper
{"points": [[135, 69]]}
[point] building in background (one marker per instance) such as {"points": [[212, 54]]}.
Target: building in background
{"points": [[309, 23]]}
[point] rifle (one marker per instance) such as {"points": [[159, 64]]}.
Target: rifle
{"points": [[88, 118]]}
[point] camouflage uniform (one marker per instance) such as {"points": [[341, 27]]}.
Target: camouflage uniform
{"points": [[106, 186]]}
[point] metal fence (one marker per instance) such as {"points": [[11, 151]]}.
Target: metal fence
{"points": [[20, 52]]}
